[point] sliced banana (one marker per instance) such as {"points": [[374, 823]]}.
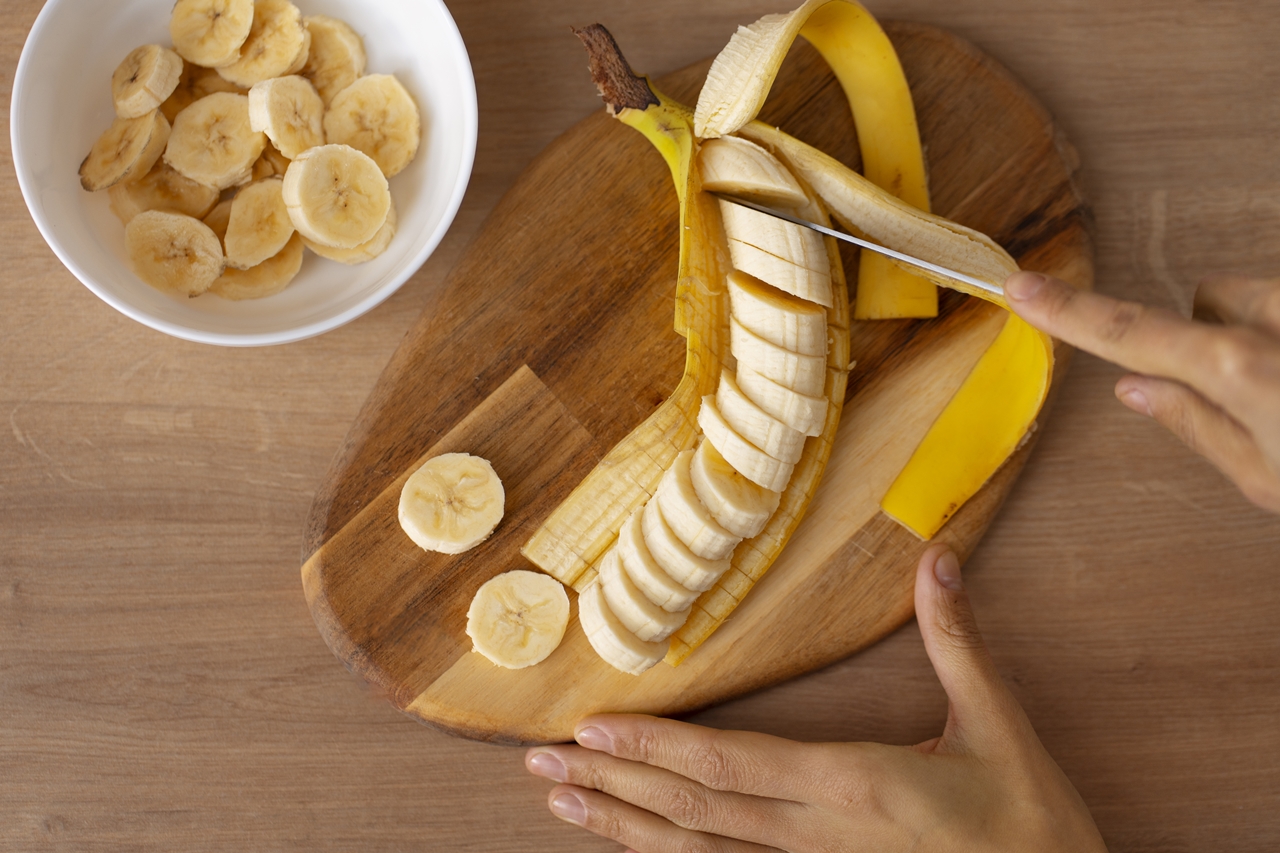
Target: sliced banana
{"points": [[219, 218], [805, 374], [300, 61], [738, 504], [644, 571], [210, 32], [692, 523], [194, 84], [126, 152], [780, 318], [163, 188], [801, 412], [739, 167], [517, 619], [452, 503], [213, 143], [365, 251], [633, 608], [266, 279], [173, 252], [289, 111], [795, 243], [376, 115], [276, 40], [747, 459], [619, 648], [260, 225], [145, 80], [337, 58], [755, 424], [792, 278], [337, 196], [687, 568]]}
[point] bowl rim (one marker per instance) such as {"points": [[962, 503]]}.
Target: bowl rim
{"points": [[470, 128]]}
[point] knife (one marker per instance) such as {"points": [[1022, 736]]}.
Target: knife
{"points": [[866, 244]]}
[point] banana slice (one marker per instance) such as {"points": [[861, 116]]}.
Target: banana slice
{"points": [[276, 44], [755, 424], [452, 503], [739, 167], [637, 613], [376, 115], [337, 196], [173, 252], [799, 411], [619, 648], [163, 188], [271, 164], [685, 567], [213, 143], [210, 32], [266, 279], [518, 618], [805, 374], [126, 152], [259, 226], [145, 79], [747, 459], [802, 246], [687, 517], [194, 84], [289, 111], [782, 319], [781, 273], [365, 251], [219, 218], [337, 58], [644, 571], [739, 505], [300, 61]]}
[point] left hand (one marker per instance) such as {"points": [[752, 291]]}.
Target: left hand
{"points": [[661, 786]]}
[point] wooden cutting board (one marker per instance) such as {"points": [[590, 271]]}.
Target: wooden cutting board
{"points": [[553, 338]]}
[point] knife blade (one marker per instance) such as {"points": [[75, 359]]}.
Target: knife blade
{"points": [[866, 244]]}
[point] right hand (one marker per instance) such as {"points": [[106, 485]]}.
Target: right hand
{"points": [[1213, 381]]}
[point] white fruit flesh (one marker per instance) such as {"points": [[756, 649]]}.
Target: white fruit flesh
{"points": [[619, 648], [804, 374], [266, 279], [337, 196], [276, 39], [517, 619], [756, 425], [644, 571], [174, 253], [376, 115], [642, 617], [747, 459], [451, 503], [162, 188], [365, 251], [740, 167], [692, 523], [337, 57], [781, 273], [782, 319], [691, 571], [125, 152], [145, 80], [259, 226], [795, 243], [799, 411], [210, 32], [738, 504], [213, 143], [289, 111]]}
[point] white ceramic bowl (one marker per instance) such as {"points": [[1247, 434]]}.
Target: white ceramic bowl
{"points": [[62, 103]]}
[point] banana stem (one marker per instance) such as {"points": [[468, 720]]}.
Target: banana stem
{"points": [[620, 87]]}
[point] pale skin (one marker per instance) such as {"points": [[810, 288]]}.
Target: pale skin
{"points": [[985, 784]]}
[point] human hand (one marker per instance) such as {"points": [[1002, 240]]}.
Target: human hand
{"points": [[987, 784], [1215, 385]]}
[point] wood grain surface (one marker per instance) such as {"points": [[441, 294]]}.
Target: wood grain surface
{"points": [[162, 683]]}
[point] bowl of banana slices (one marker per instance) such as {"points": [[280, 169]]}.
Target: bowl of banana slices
{"points": [[243, 172]]}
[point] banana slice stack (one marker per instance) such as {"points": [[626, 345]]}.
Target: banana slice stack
{"points": [[258, 135], [680, 543]]}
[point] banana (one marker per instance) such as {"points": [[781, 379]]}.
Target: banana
{"points": [[644, 571], [365, 251], [194, 84], [173, 252], [688, 518], [755, 424], [801, 412], [747, 459], [619, 648], [517, 619], [277, 43], [145, 80], [742, 168], [804, 374], [213, 143], [685, 567], [337, 58], [800, 266], [219, 218], [289, 111], [210, 32], [259, 226], [780, 272], [270, 165], [634, 610], [452, 503], [376, 115], [336, 196], [162, 189], [125, 152], [266, 279], [739, 505], [300, 61], [781, 319]]}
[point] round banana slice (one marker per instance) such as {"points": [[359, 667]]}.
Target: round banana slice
{"points": [[365, 252], [337, 196], [688, 518], [126, 152], [219, 218], [213, 143], [146, 78], [800, 412], [277, 42], [780, 318], [644, 571], [804, 374], [617, 646], [337, 58], [747, 459], [738, 504], [194, 84], [691, 571], [163, 188], [259, 226], [633, 608], [210, 32], [266, 279], [452, 503], [376, 115], [174, 253], [755, 424], [289, 111], [517, 619]]}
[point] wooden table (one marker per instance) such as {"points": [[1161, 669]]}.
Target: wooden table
{"points": [[162, 686]]}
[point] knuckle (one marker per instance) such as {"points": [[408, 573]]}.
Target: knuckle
{"points": [[643, 745], [1236, 357], [714, 767], [696, 844], [685, 807], [607, 822], [848, 778], [1121, 320]]}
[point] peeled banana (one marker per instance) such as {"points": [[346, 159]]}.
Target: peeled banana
{"points": [[125, 152], [365, 251], [289, 111], [337, 57], [210, 32], [194, 84], [378, 116], [336, 196], [277, 45], [163, 188], [266, 279], [451, 503], [517, 619], [173, 252], [213, 142], [259, 226], [145, 80]]}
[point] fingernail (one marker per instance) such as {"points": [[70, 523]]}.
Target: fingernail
{"points": [[593, 738], [570, 808], [947, 570], [1024, 285], [1136, 400], [546, 764]]}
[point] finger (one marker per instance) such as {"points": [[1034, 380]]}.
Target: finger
{"points": [[1230, 298], [640, 830], [1207, 430]]}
